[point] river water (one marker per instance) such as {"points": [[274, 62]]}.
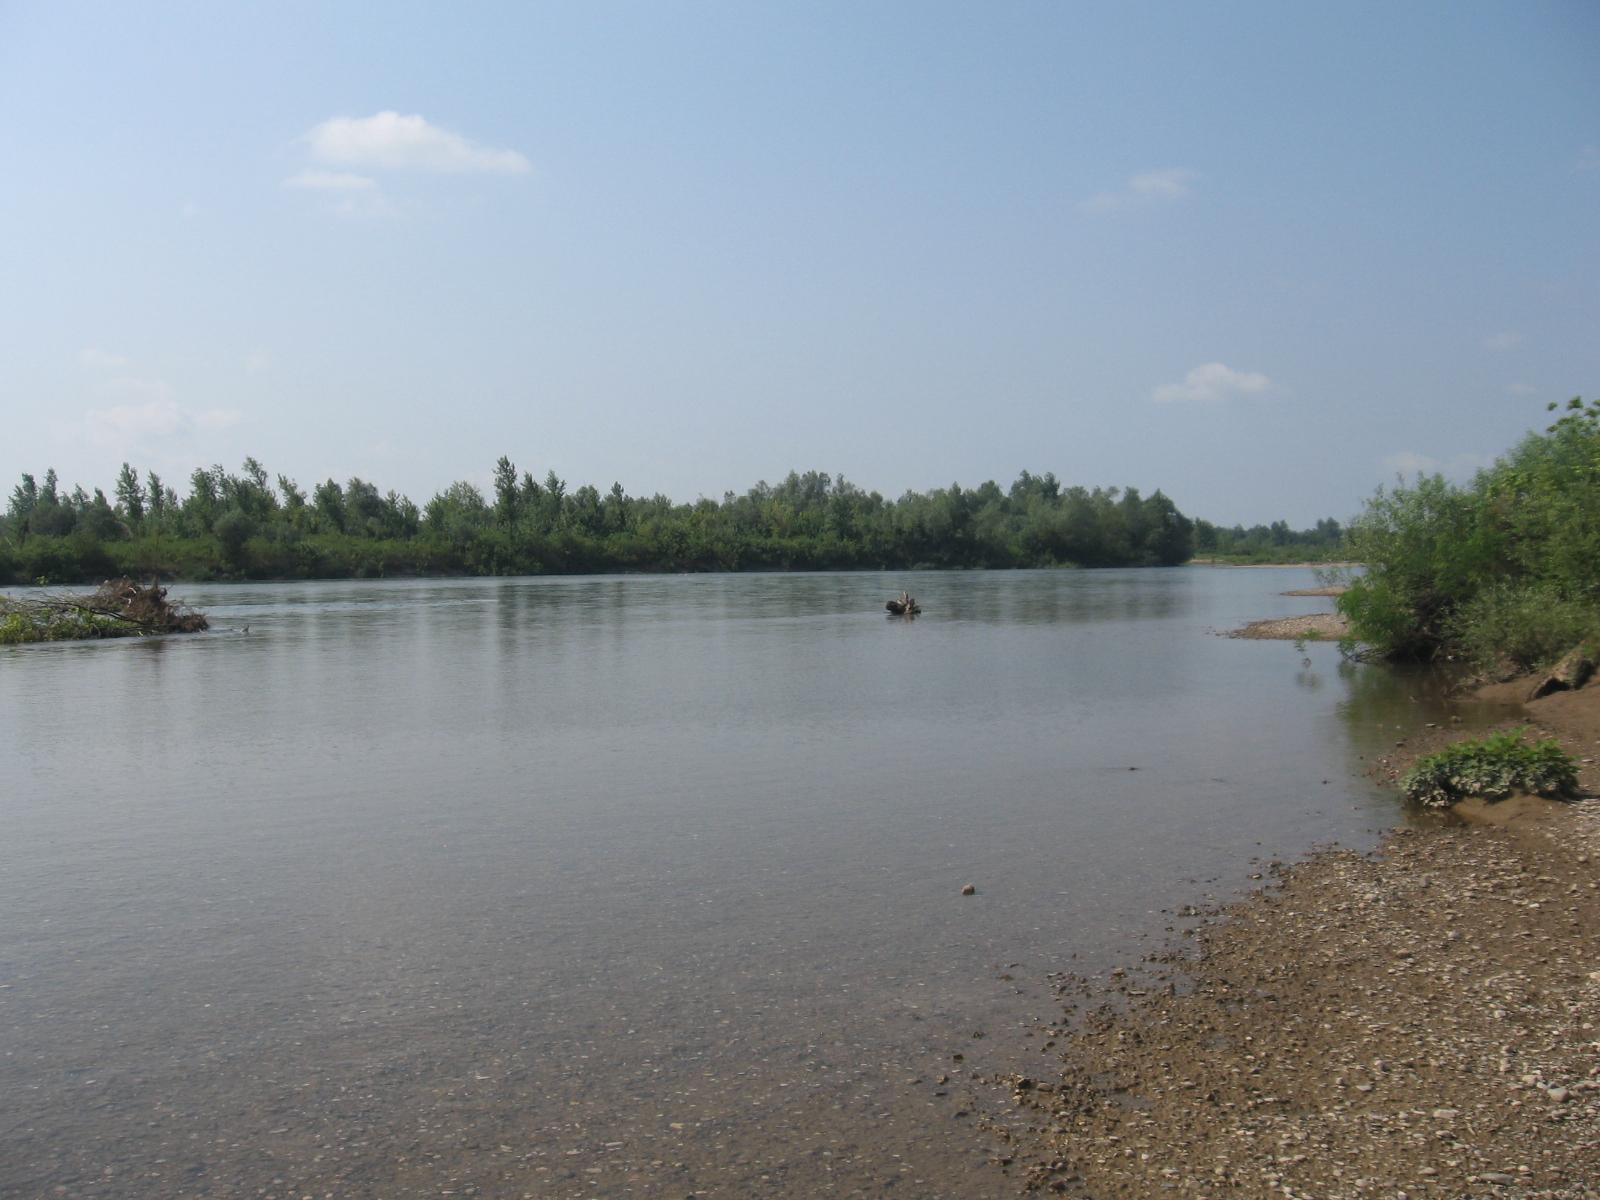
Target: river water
{"points": [[622, 886]]}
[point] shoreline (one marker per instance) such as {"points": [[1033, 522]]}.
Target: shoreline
{"points": [[1421, 1021]]}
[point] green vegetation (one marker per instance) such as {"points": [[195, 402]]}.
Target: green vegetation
{"points": [[1275, 543], [118, 608], [1503, 572], [1492, 767], [20, 622], [245, 526]]}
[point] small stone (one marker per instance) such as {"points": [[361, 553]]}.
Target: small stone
{"points": [[969, 889], [1558, 1095]]}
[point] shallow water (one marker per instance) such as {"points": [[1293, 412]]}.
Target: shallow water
{"points": [[621, 886]]}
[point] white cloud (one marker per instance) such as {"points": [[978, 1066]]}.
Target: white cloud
{"points": [[1506, 339], [329, 181], [1171, 184], [150, 415], [257, 361], [102, 360], [160, 418], [1521, 389], [391, 141], [1212, 382], [1148, 187]]}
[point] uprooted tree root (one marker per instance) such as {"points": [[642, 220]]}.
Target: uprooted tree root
{"points": [[117, 608]]}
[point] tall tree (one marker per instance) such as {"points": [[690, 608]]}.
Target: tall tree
{"points": [[505, 492], [329, 501], [23, 498], [130, 500], [155, 496]]}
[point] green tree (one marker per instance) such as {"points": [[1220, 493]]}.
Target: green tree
{"points": [[130, 499], [328, 500], [505, 492], [155, 497], [24, 498]]}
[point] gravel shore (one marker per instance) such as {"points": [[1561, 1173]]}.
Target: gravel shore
{"points": [[1422, 1022], [1324, 626]]}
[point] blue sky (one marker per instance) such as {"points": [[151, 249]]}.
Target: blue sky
{"points": [[1261, 256]]}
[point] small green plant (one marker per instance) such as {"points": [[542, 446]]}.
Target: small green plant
{"points": [[1492, 767]]}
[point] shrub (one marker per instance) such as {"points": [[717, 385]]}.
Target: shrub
{"points": [[1492, 767], [1448, 563], [1531, 625]]}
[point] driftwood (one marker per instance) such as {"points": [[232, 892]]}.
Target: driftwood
{"points": [[905, 606], [146, 607]]}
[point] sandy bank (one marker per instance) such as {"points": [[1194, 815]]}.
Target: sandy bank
{"points": [[1326, 626], [1424, 1022]]}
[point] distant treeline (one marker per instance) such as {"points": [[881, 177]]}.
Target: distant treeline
{"points": [[246, 525], [1323, 542]]}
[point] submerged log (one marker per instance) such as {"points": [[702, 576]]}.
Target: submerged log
{"points": [[906, 606]]}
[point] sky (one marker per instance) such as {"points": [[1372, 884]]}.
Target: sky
{"points": [[1265, 257]]}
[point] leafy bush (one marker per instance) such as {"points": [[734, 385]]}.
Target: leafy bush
{"points": [[1531, 625], [1507, 565], [1492, 767]]}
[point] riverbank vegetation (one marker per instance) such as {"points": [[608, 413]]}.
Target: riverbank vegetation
{"points": [[1503, 572], [247, 525]]}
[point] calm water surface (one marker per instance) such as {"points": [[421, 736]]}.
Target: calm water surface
{"points": [[620, 886]]}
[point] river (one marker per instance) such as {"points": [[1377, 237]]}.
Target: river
{"points": [[622, 886]]}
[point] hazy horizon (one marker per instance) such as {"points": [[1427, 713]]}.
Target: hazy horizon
{"points": [[1263, 258]]}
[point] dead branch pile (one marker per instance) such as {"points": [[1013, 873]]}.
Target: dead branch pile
{"points": [[117, 608], [146, 607]]}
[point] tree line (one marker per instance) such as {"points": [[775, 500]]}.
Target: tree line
{"points": [[250, 525], [1275, 543]]}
